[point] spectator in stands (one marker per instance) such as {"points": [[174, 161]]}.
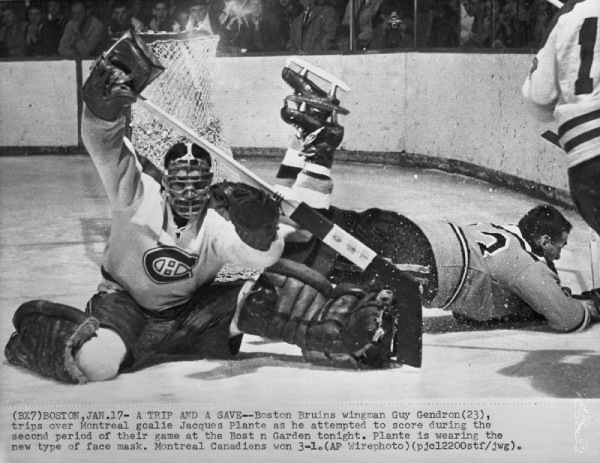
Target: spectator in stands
{"points": [[199, 18], [161, 21], [181, 17], [365, 12], [122, 21], [482, 22], [84, 36], [467, 18], [542, 13], [394, 28], [314, 29], [34, 28], [506, 26], [141, 10], [53, 28], [444, 24], [12, 34], [260, 31], [284, 12], [523, 23]]}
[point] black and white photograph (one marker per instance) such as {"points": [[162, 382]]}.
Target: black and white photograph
{"points": [[299, 230]]}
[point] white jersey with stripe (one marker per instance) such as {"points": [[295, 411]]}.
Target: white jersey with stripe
{"points": [[565, 76], [159, 264], [488, 271]]}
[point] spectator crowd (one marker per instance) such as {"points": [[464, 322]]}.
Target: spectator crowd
{"points": [[82, 29]]}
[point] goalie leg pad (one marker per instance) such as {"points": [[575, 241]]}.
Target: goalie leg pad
{"points": [[47, 337], [295, 304]]}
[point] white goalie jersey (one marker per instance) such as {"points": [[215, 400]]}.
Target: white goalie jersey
{"points": [[565, 77]]}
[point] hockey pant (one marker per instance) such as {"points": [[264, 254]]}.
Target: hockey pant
{"points": [[584, 183]]}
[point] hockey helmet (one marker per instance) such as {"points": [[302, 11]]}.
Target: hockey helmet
{"points": [[187, 179]]}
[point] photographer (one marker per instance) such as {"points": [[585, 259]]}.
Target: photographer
{"points": [[366, 14]]}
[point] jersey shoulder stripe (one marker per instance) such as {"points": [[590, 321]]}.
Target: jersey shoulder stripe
{"points": [[466, 256]]}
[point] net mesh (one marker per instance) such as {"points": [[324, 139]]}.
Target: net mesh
{"points": [[184, 90]]}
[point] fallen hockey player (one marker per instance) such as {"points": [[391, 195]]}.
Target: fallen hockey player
{"points": [[171, 233], [484, 273]]}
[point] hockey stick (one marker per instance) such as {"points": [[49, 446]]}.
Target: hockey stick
{"points": [[595, 260], [410, 327]]}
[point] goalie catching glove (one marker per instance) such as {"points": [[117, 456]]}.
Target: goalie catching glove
{"points": [[128, 65], [348, 325], [253, 212]]}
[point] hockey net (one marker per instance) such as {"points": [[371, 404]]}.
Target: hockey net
{"points": [[184, 90]]}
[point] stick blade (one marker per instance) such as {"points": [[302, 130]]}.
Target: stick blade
{"points": [[409, 334], [317, 71], [409, 344]]}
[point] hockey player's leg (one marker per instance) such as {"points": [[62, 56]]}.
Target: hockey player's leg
{"points": [[100, 358], [584, 183], [51, 339], [312, 173], [313, 113], [346, 325]]}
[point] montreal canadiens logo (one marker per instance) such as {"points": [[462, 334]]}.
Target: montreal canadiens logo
{"points": [[168, 264]]}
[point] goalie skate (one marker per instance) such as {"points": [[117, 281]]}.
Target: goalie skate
{"points": [[309, 96], [303, 101], [306, 67]]}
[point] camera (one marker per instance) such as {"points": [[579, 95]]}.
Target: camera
{"points": [[394, 21]]}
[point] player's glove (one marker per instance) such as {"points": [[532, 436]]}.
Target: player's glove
{"points": [[348, 325], [128, 65], [591, 295], [253, 212]]}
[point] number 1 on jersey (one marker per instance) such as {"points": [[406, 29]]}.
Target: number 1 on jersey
{"points": [[587, 39]]}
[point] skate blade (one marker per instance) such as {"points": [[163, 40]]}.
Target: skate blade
{"points": [[319, 104], [306, 67]]}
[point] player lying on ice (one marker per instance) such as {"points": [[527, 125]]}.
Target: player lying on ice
{"points": [[482, 273], [171, 234]]}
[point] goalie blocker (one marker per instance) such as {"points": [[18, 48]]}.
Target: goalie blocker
{"points": [[348, 325]]}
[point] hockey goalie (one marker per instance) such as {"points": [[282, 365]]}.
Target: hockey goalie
{"points": [[172, 231]]}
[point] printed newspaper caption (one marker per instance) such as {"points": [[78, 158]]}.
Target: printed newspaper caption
{"points": [[264, 428]]}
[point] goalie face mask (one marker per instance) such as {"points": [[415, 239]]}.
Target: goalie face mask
{"points": [[187, 180]]}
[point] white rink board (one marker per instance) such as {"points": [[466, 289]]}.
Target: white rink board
{"points": [[464, 107], [38, 103]]}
